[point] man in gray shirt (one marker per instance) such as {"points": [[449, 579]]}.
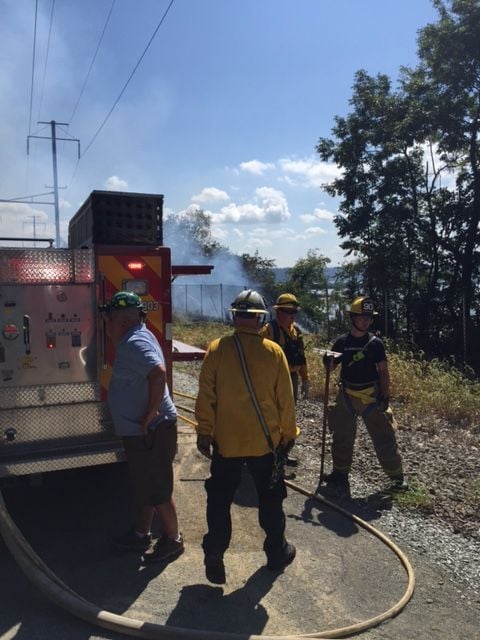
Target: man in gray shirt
{"points": [[145, 417]]}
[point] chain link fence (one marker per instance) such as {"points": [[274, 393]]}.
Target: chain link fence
{"points": [[206, 301]]}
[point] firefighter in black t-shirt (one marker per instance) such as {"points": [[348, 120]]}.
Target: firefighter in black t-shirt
{"points": [[363, 391]]}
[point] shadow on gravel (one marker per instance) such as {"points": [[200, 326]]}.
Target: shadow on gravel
{"points": [[318, 514], [199, 604]]}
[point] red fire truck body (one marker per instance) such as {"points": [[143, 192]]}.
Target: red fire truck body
{"points": [[55, 356]]}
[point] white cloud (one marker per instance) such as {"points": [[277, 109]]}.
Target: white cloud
{"points": [[318, 214], [210, 194], [256, 167], [310, 232], [269, 206], [311, 172], [23, 220], [219, 233], [256, 243], [114, 183]]}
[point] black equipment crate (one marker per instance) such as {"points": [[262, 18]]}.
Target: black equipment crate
{"points": [[114, 217]]}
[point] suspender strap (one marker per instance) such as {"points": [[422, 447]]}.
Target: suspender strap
{"points": [[251, 391]]}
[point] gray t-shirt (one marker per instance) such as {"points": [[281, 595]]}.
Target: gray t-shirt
{"points": [[137, 353]]}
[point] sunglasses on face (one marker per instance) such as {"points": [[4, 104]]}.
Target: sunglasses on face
{"points": [[289, 312]]}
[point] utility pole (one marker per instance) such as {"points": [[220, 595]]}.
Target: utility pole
{"points": [[53, 138], [34, 222]]}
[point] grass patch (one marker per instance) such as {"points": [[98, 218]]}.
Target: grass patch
{"points": [[428, 390], [200, 334], [474, 493], [417, 497]]}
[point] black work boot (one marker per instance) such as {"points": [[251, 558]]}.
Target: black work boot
{"points": [[335, 482], [282, 560], [215, 569], [398, 484]]}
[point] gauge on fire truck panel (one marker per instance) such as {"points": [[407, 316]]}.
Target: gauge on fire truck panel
{"points": [[10, 331], [140, 287]]}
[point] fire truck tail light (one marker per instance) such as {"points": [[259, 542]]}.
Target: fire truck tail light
{"points": [[135, 266], [51, 341]]}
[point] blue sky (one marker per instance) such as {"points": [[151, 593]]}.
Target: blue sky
{"points": [[223, 112]]}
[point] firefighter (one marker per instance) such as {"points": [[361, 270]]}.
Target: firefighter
{"points": [[232, 432], [364, 390], [146, 419], [283, 330]]}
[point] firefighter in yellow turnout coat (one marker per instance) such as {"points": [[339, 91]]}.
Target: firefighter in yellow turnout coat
{"points": [[364, 391], [230, 432]]}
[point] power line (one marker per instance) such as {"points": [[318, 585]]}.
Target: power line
{"points": [[93, 60], [46, 59], [34, 195], [129, 78], [27, 168], [33, 67]]}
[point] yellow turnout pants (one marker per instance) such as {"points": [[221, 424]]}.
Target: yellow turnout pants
{"points": [[381, 426]]}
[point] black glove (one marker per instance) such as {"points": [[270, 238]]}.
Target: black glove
{"points": [[204, 445], [382, 403]]}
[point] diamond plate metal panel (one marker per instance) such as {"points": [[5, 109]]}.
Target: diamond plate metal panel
{"points": [[19, 397], [62, 424], [56, 463], [45, 266]]}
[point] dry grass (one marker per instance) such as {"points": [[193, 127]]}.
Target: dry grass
{"points": [[425, 389]]}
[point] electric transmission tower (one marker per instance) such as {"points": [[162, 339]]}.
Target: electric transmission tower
{"points": [[53, 137]]}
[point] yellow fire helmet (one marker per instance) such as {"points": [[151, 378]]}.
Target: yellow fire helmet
{"points": [[286, 301], [362, 306]]}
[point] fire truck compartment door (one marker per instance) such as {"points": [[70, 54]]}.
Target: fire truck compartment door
{"points": [[47, 334]]}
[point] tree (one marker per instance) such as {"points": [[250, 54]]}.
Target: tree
{"points": [[189, 234], [416, 237], [308, 281], [260, 272]]}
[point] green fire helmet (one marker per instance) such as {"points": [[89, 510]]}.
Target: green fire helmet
{"points": [[362, 306], [123, 300], [249, 301]]}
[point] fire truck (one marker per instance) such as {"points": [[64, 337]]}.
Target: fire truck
{"points": [[55, 356]]}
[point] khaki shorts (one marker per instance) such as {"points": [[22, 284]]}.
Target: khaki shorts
{"points": [[150, 463]]}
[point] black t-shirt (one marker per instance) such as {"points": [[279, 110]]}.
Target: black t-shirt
{"points": [[360, 357]]}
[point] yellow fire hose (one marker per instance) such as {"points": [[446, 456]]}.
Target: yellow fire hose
{"points": [[62, 595]]}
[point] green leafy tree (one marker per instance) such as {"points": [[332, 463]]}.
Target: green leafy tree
{"points": [[189, 234], [308, 281], [260, 272], [416, 238]]}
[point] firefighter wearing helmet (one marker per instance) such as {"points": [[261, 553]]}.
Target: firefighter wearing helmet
{"points": [[283, 330], [364, 392], [245, 416]]}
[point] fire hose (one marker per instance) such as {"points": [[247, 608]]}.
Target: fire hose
{"points": [[65, 597]]}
